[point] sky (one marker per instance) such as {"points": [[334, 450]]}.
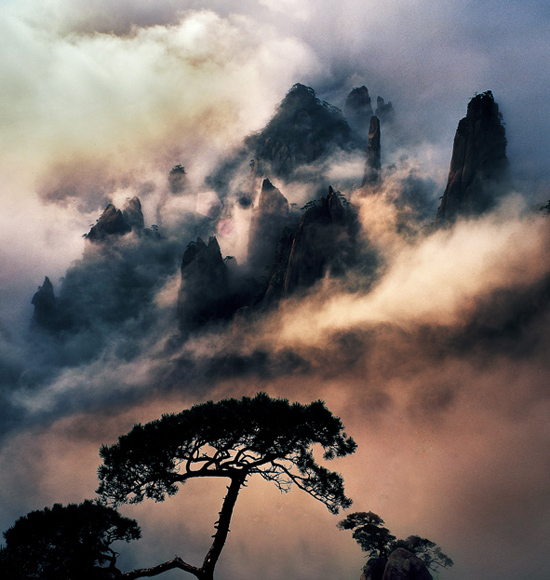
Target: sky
{"points": [[447, 399]]}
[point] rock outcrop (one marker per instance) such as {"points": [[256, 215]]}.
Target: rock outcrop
{"points": [[384, 111], [479, 166], [111, 222], [294, 145], [177, 179], [269, 219], [276, 274], [373, 160], [404, 565], [358, 110], [132, 214], [374, 569], [303, 130], [400, 565], [324, 242], [204, 294], [114, 222], [45, 306]]}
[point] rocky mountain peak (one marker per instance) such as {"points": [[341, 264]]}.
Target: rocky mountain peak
{"points": [[479, 164], [373, 160], [272, 200], [384, 111], [204, 284], [114, 222], [400, 565], [268, 221], [299, 97], [111, 222], [325, 241], [303, 130], [404, 565], [132, 214], [45, 306], [358, 110]]}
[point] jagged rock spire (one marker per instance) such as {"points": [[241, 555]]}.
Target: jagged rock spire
{"points": [[479, 167], [358, 110], [132, 213], [114, 222], [44, 302], [268, 221], [204, 285], [372, 163], [109, 223], [324, 242], [384, 111]]}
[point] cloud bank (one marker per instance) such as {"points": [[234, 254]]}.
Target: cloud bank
{"points": [[437, 365]]}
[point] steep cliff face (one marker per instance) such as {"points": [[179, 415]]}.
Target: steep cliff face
{"points": [[269, 219], [479, 165], [132, 214], [205, 294], [276, 275], [45, 306], [358, 110], [324, 242], [373, 161]]}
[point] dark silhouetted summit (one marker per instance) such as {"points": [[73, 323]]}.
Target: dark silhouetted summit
{"points": [[111, 222], [303, 130], [324, 242], [116, 222], [373, 163], [267, 224], [478, 163], [132, 214], [384, 111], [358, 110], [207, 292], [45, 306]]}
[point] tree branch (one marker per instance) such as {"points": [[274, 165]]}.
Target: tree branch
{"points": [[176, 562]]}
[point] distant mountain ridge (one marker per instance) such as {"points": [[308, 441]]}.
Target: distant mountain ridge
{"points": [[288, 251]]}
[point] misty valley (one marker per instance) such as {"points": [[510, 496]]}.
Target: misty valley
{"points": [[315, 268]]}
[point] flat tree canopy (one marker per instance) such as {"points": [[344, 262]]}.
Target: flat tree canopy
{"points": [[234, 439], [65, 543]]}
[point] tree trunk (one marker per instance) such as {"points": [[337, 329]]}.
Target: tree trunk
{"points": [[206, 572], [222, 525]]}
